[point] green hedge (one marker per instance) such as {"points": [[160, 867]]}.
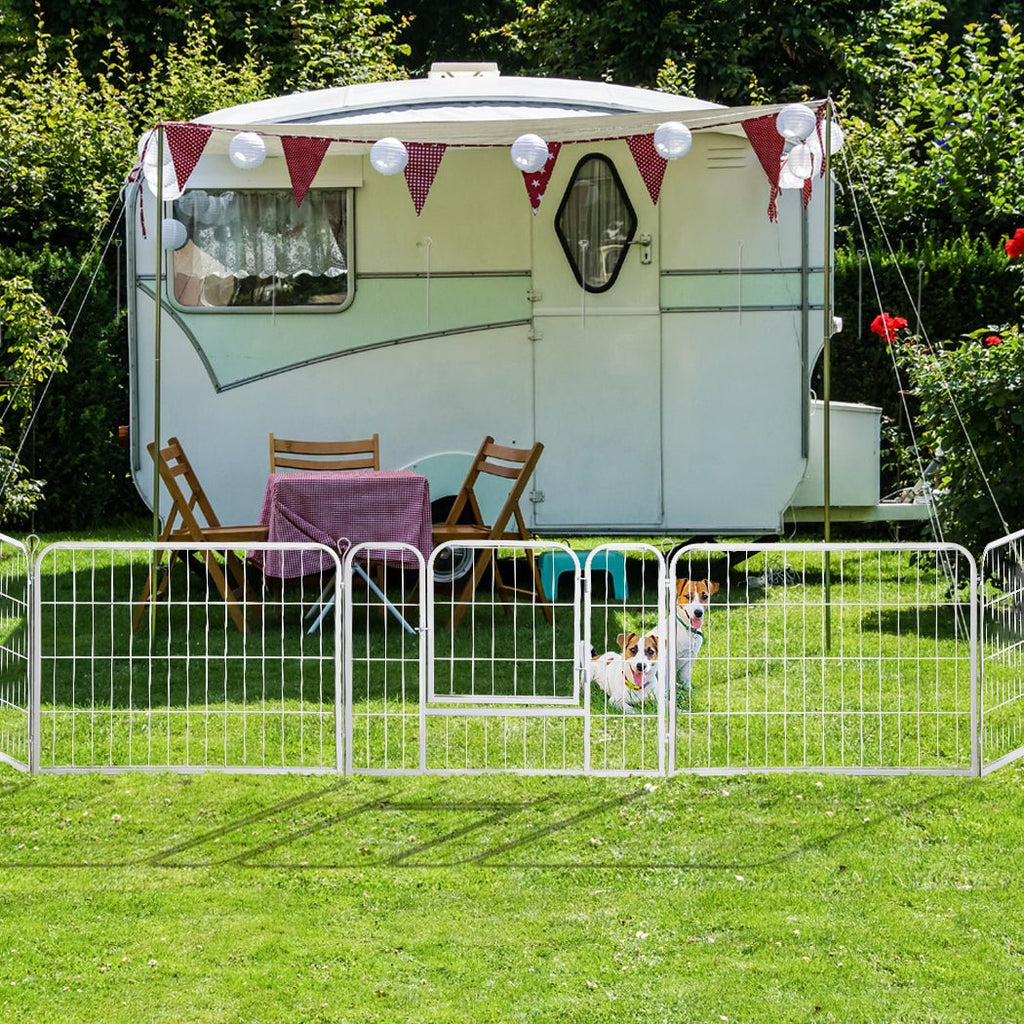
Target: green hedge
{"points": [[72, 446]]}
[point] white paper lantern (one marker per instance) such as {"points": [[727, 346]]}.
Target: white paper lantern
{"points": [[174, 233], [672, 140], [389, 156], [172, 190], [529, 153], [800, 161], [837, 138], [247, 150], [795, 122], [787, 179]]}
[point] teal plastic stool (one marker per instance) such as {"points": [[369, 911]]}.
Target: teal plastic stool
{"points": [[553, 563]]}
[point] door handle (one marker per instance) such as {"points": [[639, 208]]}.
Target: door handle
{"points": [[644, 241]]}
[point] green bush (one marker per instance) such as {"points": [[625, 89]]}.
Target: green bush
{"points": [[72, 444], [964, 286], [971, 407]]}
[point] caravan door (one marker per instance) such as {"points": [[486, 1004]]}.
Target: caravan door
{"points": [[597, 349]]}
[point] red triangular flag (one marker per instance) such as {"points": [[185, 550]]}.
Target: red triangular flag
{"points": [[186, 141], [649, 163], [768, 144], [424, 160], [304, 155], [537, 181]]}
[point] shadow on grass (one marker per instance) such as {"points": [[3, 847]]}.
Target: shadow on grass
{"points": [[487, 814]]}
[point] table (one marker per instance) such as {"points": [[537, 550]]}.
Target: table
{"points": [[341, 510]]}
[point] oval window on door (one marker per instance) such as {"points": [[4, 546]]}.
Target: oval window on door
{"points": [[595, 223]]}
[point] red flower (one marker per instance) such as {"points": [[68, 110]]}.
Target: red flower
{"points": [[886, 326], [1015, 246], [993, 339]]}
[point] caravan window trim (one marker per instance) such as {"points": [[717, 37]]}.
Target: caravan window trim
{"points": [[272, 305], [628, 226]]}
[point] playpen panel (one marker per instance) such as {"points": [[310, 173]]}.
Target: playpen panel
{"points": [[15, 660], [830, 657], [185, 688], [1001, 686]]}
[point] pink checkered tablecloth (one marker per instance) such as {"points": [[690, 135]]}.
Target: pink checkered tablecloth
{"points": [[343, 509]]}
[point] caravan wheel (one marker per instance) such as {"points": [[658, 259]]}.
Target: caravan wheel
{"points": [[454, 563]]}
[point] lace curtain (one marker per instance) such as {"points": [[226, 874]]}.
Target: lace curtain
{"points": [[595, 223], [263, 234]]}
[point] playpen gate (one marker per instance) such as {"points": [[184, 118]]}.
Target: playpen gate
{"points": [[15, 660], [506, 689]]}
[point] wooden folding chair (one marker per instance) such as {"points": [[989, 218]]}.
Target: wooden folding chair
{"points": [[188, 504], [516, 465], [322, 455]]}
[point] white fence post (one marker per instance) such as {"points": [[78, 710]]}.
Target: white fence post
{"points": [[1001, 683]]}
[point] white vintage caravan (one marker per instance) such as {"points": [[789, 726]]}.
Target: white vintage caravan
{"points": [[661, 351]]}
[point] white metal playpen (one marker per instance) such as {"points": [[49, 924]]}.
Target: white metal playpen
{"points": [[856, 658]]}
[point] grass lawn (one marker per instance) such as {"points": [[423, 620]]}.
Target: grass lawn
{"points": [[296, 898]]}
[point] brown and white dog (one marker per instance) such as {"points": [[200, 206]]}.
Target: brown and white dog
{"points": [[683, 632], [629, 676]]}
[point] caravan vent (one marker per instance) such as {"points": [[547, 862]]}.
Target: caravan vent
{"points": [[721, 155], [468, 70]]}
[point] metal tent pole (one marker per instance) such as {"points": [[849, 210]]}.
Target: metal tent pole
{"points": [[156, 325], [826, 369]]}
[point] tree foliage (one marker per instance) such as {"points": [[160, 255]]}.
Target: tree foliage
{"points": [[729, 52], [297, 43], [938, 152], [32, 349]]}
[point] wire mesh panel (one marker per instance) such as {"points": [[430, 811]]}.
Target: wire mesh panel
{"points": [[625, 658], [384, 658], [825, 657], [180, 656], [503, 689], [1001, 686], [15, 664]]}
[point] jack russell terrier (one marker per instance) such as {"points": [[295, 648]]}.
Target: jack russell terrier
{"points": [[629, 676], [683, 633]]}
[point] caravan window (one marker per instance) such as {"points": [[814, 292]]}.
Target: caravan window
{"points": [[595, 223], [256, 248]]}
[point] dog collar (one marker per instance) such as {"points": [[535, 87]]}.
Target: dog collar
{"points": [[628, 680], [688, 627]]}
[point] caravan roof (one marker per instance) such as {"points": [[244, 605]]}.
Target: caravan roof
{"points": [[459, 96]]}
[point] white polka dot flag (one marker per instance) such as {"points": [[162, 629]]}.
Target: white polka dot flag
{"points": [[304, 155], [650, 165], [424, 160], [186, 142], [768, 145], [537, 181]]}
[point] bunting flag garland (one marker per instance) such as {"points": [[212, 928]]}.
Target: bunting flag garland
{"points": [[649, 163], [424, 160], [186, 142], [768, 144], [537, 181], [304, 154]]}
